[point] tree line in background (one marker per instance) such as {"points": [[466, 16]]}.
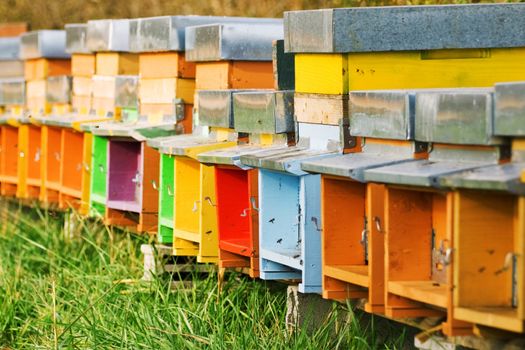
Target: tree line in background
{"points": [[55, 13]]}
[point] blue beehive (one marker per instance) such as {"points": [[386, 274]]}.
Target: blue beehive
{"points": [[289, 204]]}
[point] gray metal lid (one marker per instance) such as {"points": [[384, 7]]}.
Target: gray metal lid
{"points": [[9, 48], [65, 121], [12, 91], [167, 33], [505, 177], [456, 116], [58, 89], [290, 160], [232, 155], [509, 103], [108, 35], [232, 41], [43, 44], [76, 38], [373, 155], [263, 112], [181, 144], [139, 131], [315, 141], [385, 114], [423, 173], [404, 28], [352, 165], [123, 89], [216, 107]]}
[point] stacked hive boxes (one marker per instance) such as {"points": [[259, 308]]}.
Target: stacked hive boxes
{"points": [[48, 85], [12, 100], [115, 96], [266, 117], [413, 56], [289, 212], [82, 67], [167, 88], [194, 214], [167, 81], [76, 145]]}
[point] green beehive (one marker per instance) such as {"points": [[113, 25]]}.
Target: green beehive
{"points": [[99, 173], [165, 234]]}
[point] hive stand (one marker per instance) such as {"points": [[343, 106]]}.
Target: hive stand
{"points": [[419, 214], [489, 230], [353, 211], [289, 202], [267, 118]]}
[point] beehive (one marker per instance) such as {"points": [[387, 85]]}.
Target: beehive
{"points": [[419, 212], [353, 211], [267, 118]]}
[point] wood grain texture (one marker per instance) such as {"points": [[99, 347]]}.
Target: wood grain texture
{"points": [[320, 109], [165, 90], [165, 65], [234, 75], [83, 65], [41, 68], [117, 63]]}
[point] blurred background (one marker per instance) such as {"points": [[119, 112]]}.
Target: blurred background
{"points": [[55, 13]]}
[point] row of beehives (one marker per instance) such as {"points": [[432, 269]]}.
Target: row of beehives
{"points": [[386, 222], [125, 78]]}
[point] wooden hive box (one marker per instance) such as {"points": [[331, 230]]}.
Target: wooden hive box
{"points": [[352, 211], [191, 193], [419, 213], [267, 118], [29, 160], [99, 171], [488, 228], [8, 160], [289, 206], [131, 200]]}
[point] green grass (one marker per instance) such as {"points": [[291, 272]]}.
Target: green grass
{"points": [[84, 292]]}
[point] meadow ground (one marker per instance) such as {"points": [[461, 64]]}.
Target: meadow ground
{"points": [[85, 292]]}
